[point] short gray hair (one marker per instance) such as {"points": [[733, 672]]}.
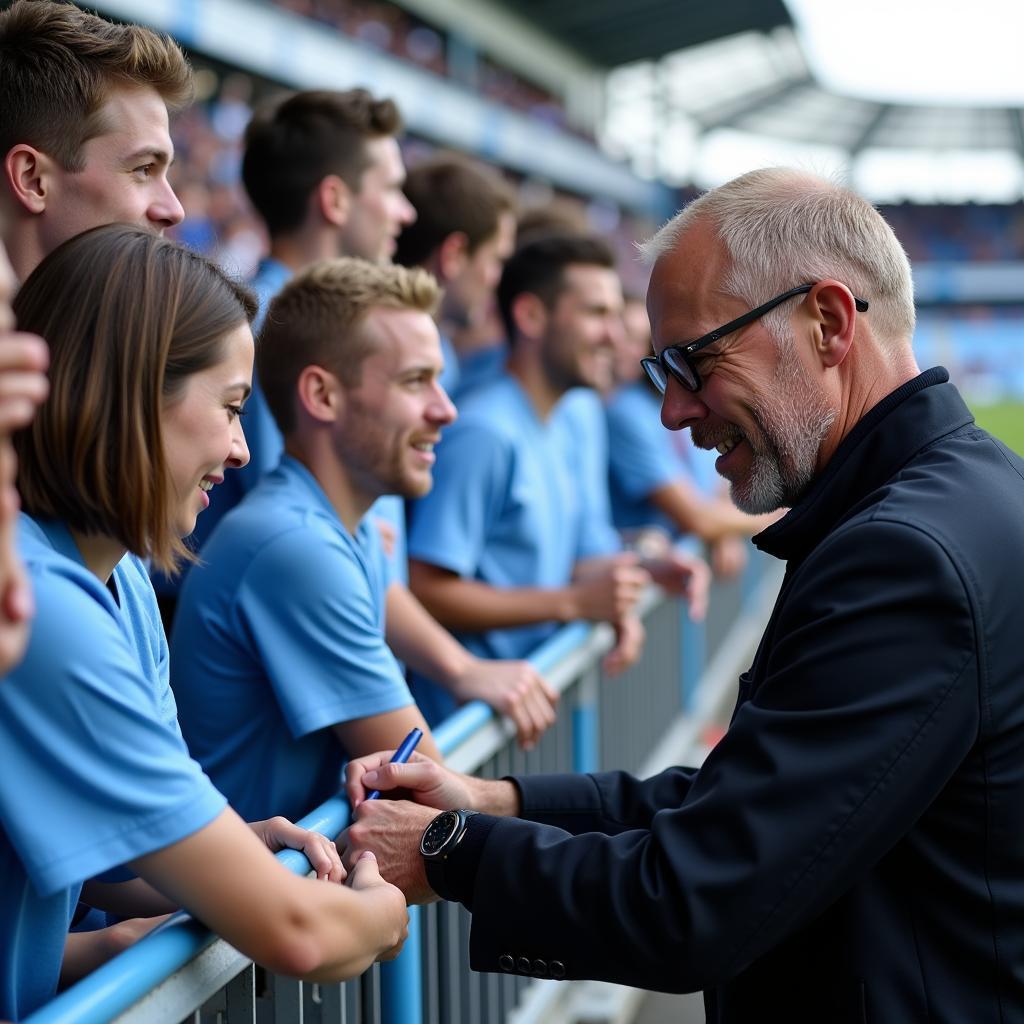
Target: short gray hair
{"points": [[783, 227]]}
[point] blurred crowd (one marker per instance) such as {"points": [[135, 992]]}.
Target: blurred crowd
{"points": [[393, 30]]}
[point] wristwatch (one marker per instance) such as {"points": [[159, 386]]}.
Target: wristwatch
{"points": [[439, 839]]}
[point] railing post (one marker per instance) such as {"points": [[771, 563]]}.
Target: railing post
{"points": [[586, 754], [692, 657], [401, 981]]}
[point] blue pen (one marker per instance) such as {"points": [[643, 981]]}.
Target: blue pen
{"points": [[401, 755]]}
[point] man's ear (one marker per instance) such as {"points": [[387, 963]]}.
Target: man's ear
{"points": [[835, 309], [530, 315], [320, 394], [452, 255], [28, 173], [333, 200]]}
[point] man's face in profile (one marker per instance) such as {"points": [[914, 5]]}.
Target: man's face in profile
{"points": [[759, 404], [379, 210], [124, 177]]}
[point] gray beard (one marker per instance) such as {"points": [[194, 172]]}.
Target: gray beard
{"points": [[785, 458]]}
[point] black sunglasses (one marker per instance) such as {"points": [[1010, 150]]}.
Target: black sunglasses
{"points": [[677, 359]]}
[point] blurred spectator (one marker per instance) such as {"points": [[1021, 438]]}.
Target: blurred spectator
{"points": [[463, 233], [498, 549]]}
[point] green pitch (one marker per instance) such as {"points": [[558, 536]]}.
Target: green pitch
{"points": [[1005, 420]]}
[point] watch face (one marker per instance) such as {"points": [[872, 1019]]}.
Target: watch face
{"points": [[438, 832]]}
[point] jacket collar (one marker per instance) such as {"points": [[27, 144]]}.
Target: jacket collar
{"points": [[886, 438]]}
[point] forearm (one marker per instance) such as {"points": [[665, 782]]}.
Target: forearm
{"points": [[302, 927], [499, 797], [419, 640], [83, 953], [693, 514], [473, 607], [135, 898]]}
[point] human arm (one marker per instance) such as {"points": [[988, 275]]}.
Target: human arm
{"points": [[137, 898], [685, 575], [846, 739], [85, 951], [23, 385], [512, 688], [599, 594], [709, 519], [303, 927]]}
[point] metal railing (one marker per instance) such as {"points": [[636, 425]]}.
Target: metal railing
{"points": [[652, 715]]}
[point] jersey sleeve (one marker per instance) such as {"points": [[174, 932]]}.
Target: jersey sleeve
{"points": [[93, 775], [315, 624]]}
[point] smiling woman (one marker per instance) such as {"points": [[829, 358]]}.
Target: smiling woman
{"points": [[151, 360], [147, 380]]}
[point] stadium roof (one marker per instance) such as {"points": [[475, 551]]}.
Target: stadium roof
{"points": [[700, 90], [609, 32]]}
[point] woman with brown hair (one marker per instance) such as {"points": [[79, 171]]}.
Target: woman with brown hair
{"points": [[151, 360]]}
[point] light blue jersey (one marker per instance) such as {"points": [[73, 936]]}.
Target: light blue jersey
{"points": [[504, 509], [477, 368], [95, 772], [580, 415], [279, 635]]}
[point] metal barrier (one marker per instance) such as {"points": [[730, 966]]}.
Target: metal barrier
{"points": [[652, 715]]}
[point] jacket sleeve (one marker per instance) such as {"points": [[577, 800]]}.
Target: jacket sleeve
{"points": [[608, 802], [867, 704]]}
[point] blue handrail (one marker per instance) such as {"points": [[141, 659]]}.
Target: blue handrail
{"points": [[123, 981]]}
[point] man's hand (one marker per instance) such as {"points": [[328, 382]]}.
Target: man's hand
{"points": [[512, 688], [608, 591], [279, 834], [364, 877], [687, 576], [420, 779], [629, 645], [391, 831], [427, 783], [24, 359], [728, 556], [16, 604]]}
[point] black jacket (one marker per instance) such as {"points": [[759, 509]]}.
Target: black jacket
{"points": [[853, 848]]}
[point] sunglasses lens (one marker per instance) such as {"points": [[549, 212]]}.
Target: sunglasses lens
{"points": [[655, 373], [681, 369]]}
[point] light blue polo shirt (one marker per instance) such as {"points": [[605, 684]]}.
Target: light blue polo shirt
{"points": [[504, 509], [477, 368], [279, 635], [581, 417], [94, 772], [644, 456]]}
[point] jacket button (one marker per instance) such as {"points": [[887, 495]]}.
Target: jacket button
{"points": [[540, 968], [557, 969], [506, 963], [523, 965]]}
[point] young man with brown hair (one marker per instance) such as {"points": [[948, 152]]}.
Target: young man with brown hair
{"points": [[83, 126], [464, 231], [325, 172]]}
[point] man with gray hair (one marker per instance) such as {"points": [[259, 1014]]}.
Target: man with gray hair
{"points": [[852, 848]]}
